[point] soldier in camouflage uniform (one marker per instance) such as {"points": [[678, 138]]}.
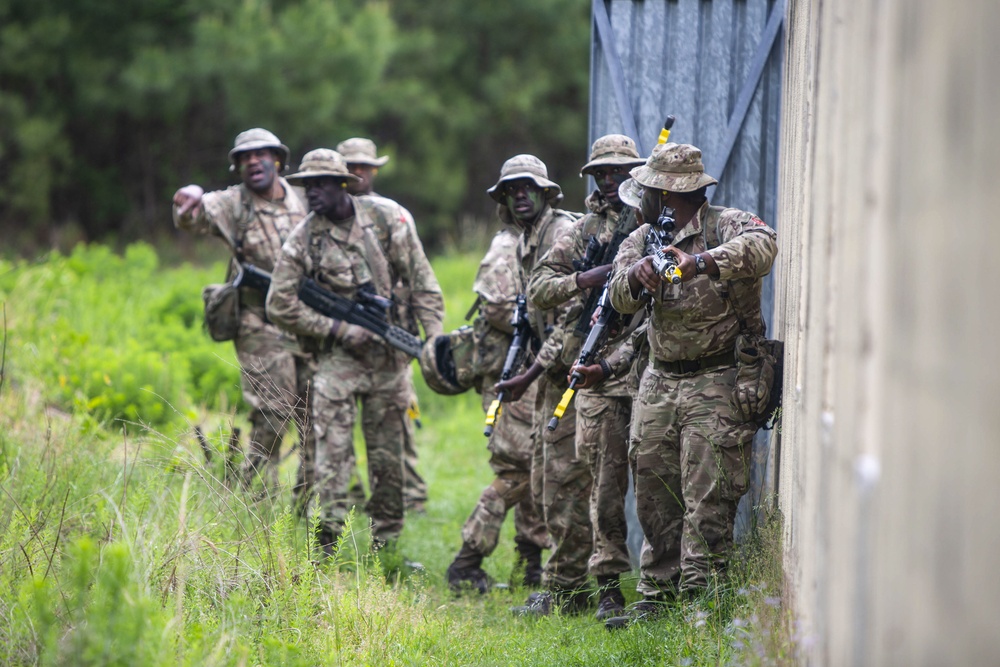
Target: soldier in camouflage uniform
{"points": [[254, 218], [363, 161], [497, 285], [689, 444], [344, 244], [560, 480], [604, 403]]}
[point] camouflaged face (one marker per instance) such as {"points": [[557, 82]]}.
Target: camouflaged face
{"points": [[525, 166]]}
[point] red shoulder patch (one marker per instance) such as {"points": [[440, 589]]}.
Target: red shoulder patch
{"points": [[754, 220]]}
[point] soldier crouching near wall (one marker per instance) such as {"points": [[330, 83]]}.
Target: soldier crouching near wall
{"points": [[254, 218], [337, 246]]}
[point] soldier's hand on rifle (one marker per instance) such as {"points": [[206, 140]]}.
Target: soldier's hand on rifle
{"points": [[591, 376], [595, 277], [352, 337], [188, 200], [517, 385], [685, 263], [642, 275]]}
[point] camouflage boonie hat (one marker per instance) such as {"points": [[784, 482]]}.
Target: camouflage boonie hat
{"points": [[630, 193], [255, 138], [358, 150], [612, 149], [446, 362], [674, 168], [525, 166], [322, 162]]}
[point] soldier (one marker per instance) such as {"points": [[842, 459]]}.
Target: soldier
{"points": [[497, 286], [339, 247], [690, 439], [363, 161], [254, 218], [604, 404], [560, 481]]}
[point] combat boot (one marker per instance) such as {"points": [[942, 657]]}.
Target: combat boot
{"points": [[610, 602], [545, 602], [465, 572], [529, 555], [647, 609]]}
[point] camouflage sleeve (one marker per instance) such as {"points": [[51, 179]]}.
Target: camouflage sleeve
{"points": [[747, 248], [497, 282], [413, 268], [623, 356], [560, 346], [219, 210], [631, 251], [283, 305], [553, 280]]}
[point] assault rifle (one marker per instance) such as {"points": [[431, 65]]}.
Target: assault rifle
{"points": [[367, 310], [661, 233], [610, 251], [606, 322], [515, 358]]}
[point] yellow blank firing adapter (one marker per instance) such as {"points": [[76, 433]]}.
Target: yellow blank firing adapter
{"points": [[491, 417], [665, 132]]}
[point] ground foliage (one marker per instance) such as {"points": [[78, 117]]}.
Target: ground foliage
{"points": [[107, 108], [121, 543]]}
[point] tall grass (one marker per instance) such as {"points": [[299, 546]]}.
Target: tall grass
{"points": [[123, 545]]}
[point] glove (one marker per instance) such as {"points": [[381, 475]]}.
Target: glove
{"points": [[754, 379]]}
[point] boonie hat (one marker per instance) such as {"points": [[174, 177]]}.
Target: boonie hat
{"points": [[254, 138], [525, 166], [673, 167], [358, 150], [446, 362], [612, 149], [322, 162], [630, 193]]}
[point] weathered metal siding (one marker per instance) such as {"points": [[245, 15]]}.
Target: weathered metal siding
{"points": [[716, 66], [692, 59]]}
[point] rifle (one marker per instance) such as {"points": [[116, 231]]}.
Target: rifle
{"points": [[661, 234], [515, 357], [368, 310], [606, 322], [610, 251]]}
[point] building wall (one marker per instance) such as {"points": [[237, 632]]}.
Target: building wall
{"points": [[886, 297]]}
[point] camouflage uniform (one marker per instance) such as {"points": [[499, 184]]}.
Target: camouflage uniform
{"points": [[510, 445], [689, 449], [274, 372], [603, 412], [353, 366], [560, 479], [360, 150], [389, 213]]}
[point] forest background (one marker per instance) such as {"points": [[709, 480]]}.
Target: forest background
{"points": [[107, 108]]}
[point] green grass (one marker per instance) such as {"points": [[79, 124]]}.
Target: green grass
{"points": [[119, 544]]}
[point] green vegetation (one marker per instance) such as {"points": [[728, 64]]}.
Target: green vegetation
{"points": [[107, 108], [123, 546]]}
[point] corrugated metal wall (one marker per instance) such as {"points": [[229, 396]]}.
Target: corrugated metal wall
{"points": [[716, 66]]}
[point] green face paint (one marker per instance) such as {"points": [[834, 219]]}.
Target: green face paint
{"points": [[525, 203]]}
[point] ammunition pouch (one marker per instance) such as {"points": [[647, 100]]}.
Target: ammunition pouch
{"points": [[757, 390], [222, 311]]}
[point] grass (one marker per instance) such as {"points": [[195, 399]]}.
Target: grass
{"points": [[120, 544]]}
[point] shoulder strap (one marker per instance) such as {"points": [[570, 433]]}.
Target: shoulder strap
{"points": [[378, 263]]}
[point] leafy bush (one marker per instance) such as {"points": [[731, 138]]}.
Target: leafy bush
{"points": [[116, 337]]}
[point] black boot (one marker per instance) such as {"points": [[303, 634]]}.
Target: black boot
{"points": [[466, 573], [610, 601], [529, 555]]}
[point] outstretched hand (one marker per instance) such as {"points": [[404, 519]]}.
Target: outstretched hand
{"points": [[188, 201]]}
